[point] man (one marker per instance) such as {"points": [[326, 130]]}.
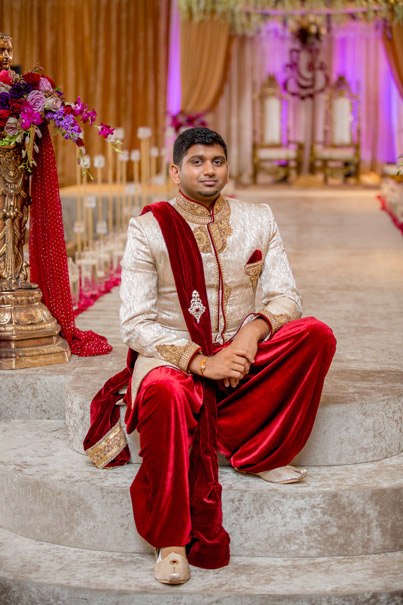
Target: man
{"points": [[211, 371]]}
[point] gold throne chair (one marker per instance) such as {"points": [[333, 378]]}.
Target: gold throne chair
{"points": [[271, 154], [339, 151]]}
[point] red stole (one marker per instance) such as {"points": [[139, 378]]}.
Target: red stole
{"points": [[47, 252], [209, 547]]}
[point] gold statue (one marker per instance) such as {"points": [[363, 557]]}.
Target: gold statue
{"points": [[29, 334], [6, 51], [14, 202]]}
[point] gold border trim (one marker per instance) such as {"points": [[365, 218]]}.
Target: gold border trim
{"points": [[107, 448]]}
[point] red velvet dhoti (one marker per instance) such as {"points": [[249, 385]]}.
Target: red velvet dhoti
{"points": [[262, 424]]}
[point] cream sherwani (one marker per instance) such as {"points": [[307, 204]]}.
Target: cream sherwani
{"points": [[227, 235]]}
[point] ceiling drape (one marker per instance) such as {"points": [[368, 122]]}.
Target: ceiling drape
{"points": [[393, 41], [113, 53], [206, 49]]}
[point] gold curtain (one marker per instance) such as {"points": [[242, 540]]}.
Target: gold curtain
{"points": [[206, 48], [393, 41], [113, 53]]}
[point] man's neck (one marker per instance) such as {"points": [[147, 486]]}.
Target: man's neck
{"points": [[207, 203]]}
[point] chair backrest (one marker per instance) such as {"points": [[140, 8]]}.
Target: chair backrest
{"points": [[271, 99], [342, 113]]}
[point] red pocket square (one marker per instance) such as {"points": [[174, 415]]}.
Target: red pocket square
{"points": [[256, 256]]}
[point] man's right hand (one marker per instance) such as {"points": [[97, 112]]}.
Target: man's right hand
{"points": [[229, 365]]}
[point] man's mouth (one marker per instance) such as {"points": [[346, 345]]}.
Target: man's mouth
{"points": [[209, 182]]}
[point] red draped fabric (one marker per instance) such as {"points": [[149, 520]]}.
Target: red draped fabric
{"points": [[262, 424], [47, 252]]}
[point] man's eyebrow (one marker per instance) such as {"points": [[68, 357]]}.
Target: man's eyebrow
{"points": [[202, 157]]}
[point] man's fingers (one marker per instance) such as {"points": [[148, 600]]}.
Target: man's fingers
{"points": [[234, 382], [244, 354]]}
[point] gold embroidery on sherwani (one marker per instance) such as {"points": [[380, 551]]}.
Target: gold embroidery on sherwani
{"points": [[276, 321], [254, 270], [107, 448], [202, 239], [171, 353], [178, 355]]}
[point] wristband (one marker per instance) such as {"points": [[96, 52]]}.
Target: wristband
{"points": [[203, 365]]}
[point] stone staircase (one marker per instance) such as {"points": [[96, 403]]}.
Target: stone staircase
{"points": [[67, 534]]}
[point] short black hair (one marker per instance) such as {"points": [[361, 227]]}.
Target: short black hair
{"points": [[196, 136]]}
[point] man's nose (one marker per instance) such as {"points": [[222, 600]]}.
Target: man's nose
{"points": [[209, 168]]}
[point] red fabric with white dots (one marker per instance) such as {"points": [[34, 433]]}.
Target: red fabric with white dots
{"points": [[47, 252]]}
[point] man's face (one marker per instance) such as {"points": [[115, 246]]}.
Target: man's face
{"points": [[203, 172], [6, 54]]}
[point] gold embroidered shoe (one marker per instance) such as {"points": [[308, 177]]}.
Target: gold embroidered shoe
{"points": [[173, 569]]}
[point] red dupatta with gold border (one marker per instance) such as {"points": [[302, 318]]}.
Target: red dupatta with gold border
{"points": [[209, 546]]}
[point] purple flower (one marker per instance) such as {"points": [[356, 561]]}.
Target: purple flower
{"points": [[17, 91], [37, 100], [45, 85], [4, 100]]}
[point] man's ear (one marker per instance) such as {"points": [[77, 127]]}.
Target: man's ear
{"points": [[174, 172]]}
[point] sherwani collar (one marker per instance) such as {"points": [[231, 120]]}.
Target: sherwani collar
{"points": [[194, 212]]}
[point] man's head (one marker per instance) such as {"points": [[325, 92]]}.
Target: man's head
{"points": [[200, 165], [6, 51]]}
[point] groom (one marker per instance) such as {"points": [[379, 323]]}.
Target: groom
{"points": [[208, 370]]}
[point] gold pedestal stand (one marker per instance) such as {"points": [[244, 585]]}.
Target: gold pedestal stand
{"points": [[29, 334]]}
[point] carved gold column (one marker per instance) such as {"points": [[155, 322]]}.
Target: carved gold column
{"points": [[29, 335]]}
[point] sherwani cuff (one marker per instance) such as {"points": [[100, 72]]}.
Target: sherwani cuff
{"points": [[275, 321], [189, 351], [180, 356]]}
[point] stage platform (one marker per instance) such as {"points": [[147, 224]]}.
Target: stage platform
{"points": [[68, 534]]}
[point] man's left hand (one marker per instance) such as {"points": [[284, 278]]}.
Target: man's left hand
{"points": [[246, 342]]}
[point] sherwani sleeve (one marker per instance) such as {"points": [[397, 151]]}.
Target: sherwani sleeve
{"points": [[281, 300], [140, 328]]}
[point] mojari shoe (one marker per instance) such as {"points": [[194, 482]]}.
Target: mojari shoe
{"points": [[173, 569], [283, 474]]}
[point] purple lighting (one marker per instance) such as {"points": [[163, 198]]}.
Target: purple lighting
{"points": [[174, 67]]}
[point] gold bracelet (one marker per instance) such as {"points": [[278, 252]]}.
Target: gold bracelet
{"points": [[203, 365]]}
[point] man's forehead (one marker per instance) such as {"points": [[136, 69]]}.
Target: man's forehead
{"points": [[205, 151], [5, 43]]}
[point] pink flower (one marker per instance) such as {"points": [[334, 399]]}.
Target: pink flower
{"points": [[44, 84], [90, 116], [53, 103], [29, 116], [105, 130], [37, 100], [11, 127]]}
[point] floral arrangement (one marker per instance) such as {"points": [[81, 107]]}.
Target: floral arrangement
{"points": [[309, 30], [182, 121], [31, 99], [249, 16]]}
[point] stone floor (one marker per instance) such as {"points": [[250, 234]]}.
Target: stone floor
{"points": [[333, 540]]}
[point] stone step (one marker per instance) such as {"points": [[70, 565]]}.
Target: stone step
{"points": [[51, 493], [35, 572], [358, 419]]}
